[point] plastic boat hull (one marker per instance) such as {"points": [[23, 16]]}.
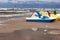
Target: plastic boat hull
{"points": [[50, 20]]}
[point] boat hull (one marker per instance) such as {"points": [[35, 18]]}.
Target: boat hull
{"points": [[50, 20]]}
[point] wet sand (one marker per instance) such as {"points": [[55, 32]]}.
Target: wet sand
{"points": [[22, 24], [18, 30], [28, 34]]}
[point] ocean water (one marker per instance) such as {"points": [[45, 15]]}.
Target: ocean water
{"points": [[31, 4], [9, 17]]}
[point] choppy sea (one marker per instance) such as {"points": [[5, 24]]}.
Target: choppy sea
{"points": [[9, 17]]}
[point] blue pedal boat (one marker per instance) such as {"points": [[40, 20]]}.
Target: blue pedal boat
{"points": [[37, 17]]}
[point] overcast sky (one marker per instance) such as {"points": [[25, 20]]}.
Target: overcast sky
{"points": [[29, 0]]}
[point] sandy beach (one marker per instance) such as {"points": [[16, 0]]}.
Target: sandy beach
{"points": [[22, 24], [19, 30]]}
